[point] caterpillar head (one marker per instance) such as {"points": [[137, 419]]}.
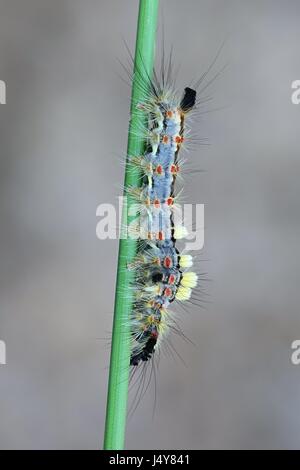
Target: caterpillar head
{"points": [[188, 100]]}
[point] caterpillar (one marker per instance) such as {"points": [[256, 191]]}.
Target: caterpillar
{"points": [[162, 272]]}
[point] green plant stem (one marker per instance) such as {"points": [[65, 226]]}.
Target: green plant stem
{"points": [[117, 395]]}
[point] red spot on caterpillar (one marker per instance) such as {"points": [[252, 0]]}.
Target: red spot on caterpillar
{"points": [[174, 169], [167, 262], [154, 334], [179, 139], [170, 201], [165, 139], [159, 169], [168, 292], [170, 114], [160, 236], [156, 203], [172, 279]]}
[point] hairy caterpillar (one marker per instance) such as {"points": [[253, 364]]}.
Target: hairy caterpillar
{"points": [[161, 271]]}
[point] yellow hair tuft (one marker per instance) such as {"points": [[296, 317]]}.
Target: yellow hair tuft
{"points": [[183, 293], [189, 279], [180, 232], [186, 261]]}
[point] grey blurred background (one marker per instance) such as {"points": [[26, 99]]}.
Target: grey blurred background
{"points": [[63, 133]]}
